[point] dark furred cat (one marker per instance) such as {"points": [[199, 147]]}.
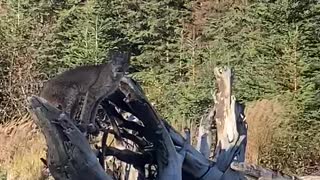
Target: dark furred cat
{"points": [[95, 82]]}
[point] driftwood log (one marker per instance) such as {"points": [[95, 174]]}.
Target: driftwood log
{"points": [[157, 150], [69, 152]]}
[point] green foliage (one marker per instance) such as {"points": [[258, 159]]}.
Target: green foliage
{"points": [[74, 40], [251, 42], [273, 47], [21, 33], [152, 30]]}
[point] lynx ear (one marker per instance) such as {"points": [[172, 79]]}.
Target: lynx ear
{"points": [[119, 57]]}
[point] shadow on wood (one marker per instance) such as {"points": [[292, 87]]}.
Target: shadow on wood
{"points": [[69, 153]]}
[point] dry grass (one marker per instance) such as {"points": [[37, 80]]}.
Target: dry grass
{"points": [[22, 146], [263, 118]]}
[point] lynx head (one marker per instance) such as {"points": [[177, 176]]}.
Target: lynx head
{"points": [[119, 63]]}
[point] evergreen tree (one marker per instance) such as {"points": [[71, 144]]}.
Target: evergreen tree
{"points": [[22, 28], [152, 30]]}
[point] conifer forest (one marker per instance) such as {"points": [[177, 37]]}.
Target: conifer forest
{"points": [[177, 50]]}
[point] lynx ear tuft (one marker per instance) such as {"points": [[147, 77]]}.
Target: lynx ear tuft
{"points": [[116, 55]]}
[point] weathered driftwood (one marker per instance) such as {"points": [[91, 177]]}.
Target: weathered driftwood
{"points": [[232, 142], [204, 169], [69, 153], [229, 119], [205, 133], [156, 141], [169, 161], [130, 157], [148, 115], [258, 172]]}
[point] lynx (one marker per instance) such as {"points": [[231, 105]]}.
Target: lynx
{"points": [[95, 82]]}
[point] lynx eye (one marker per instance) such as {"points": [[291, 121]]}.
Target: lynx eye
{"points": [[59, 106], [118, 69]]}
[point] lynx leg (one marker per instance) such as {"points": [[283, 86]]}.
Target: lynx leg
{"points": [[83, 110], [74, 107], [95, 110], [70, 101], [87, 109]]}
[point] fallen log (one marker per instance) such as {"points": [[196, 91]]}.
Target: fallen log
{"points": [[69, 153], [258, 172], [169, 161], [206, 133], [160, 147], [204, 169]]}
